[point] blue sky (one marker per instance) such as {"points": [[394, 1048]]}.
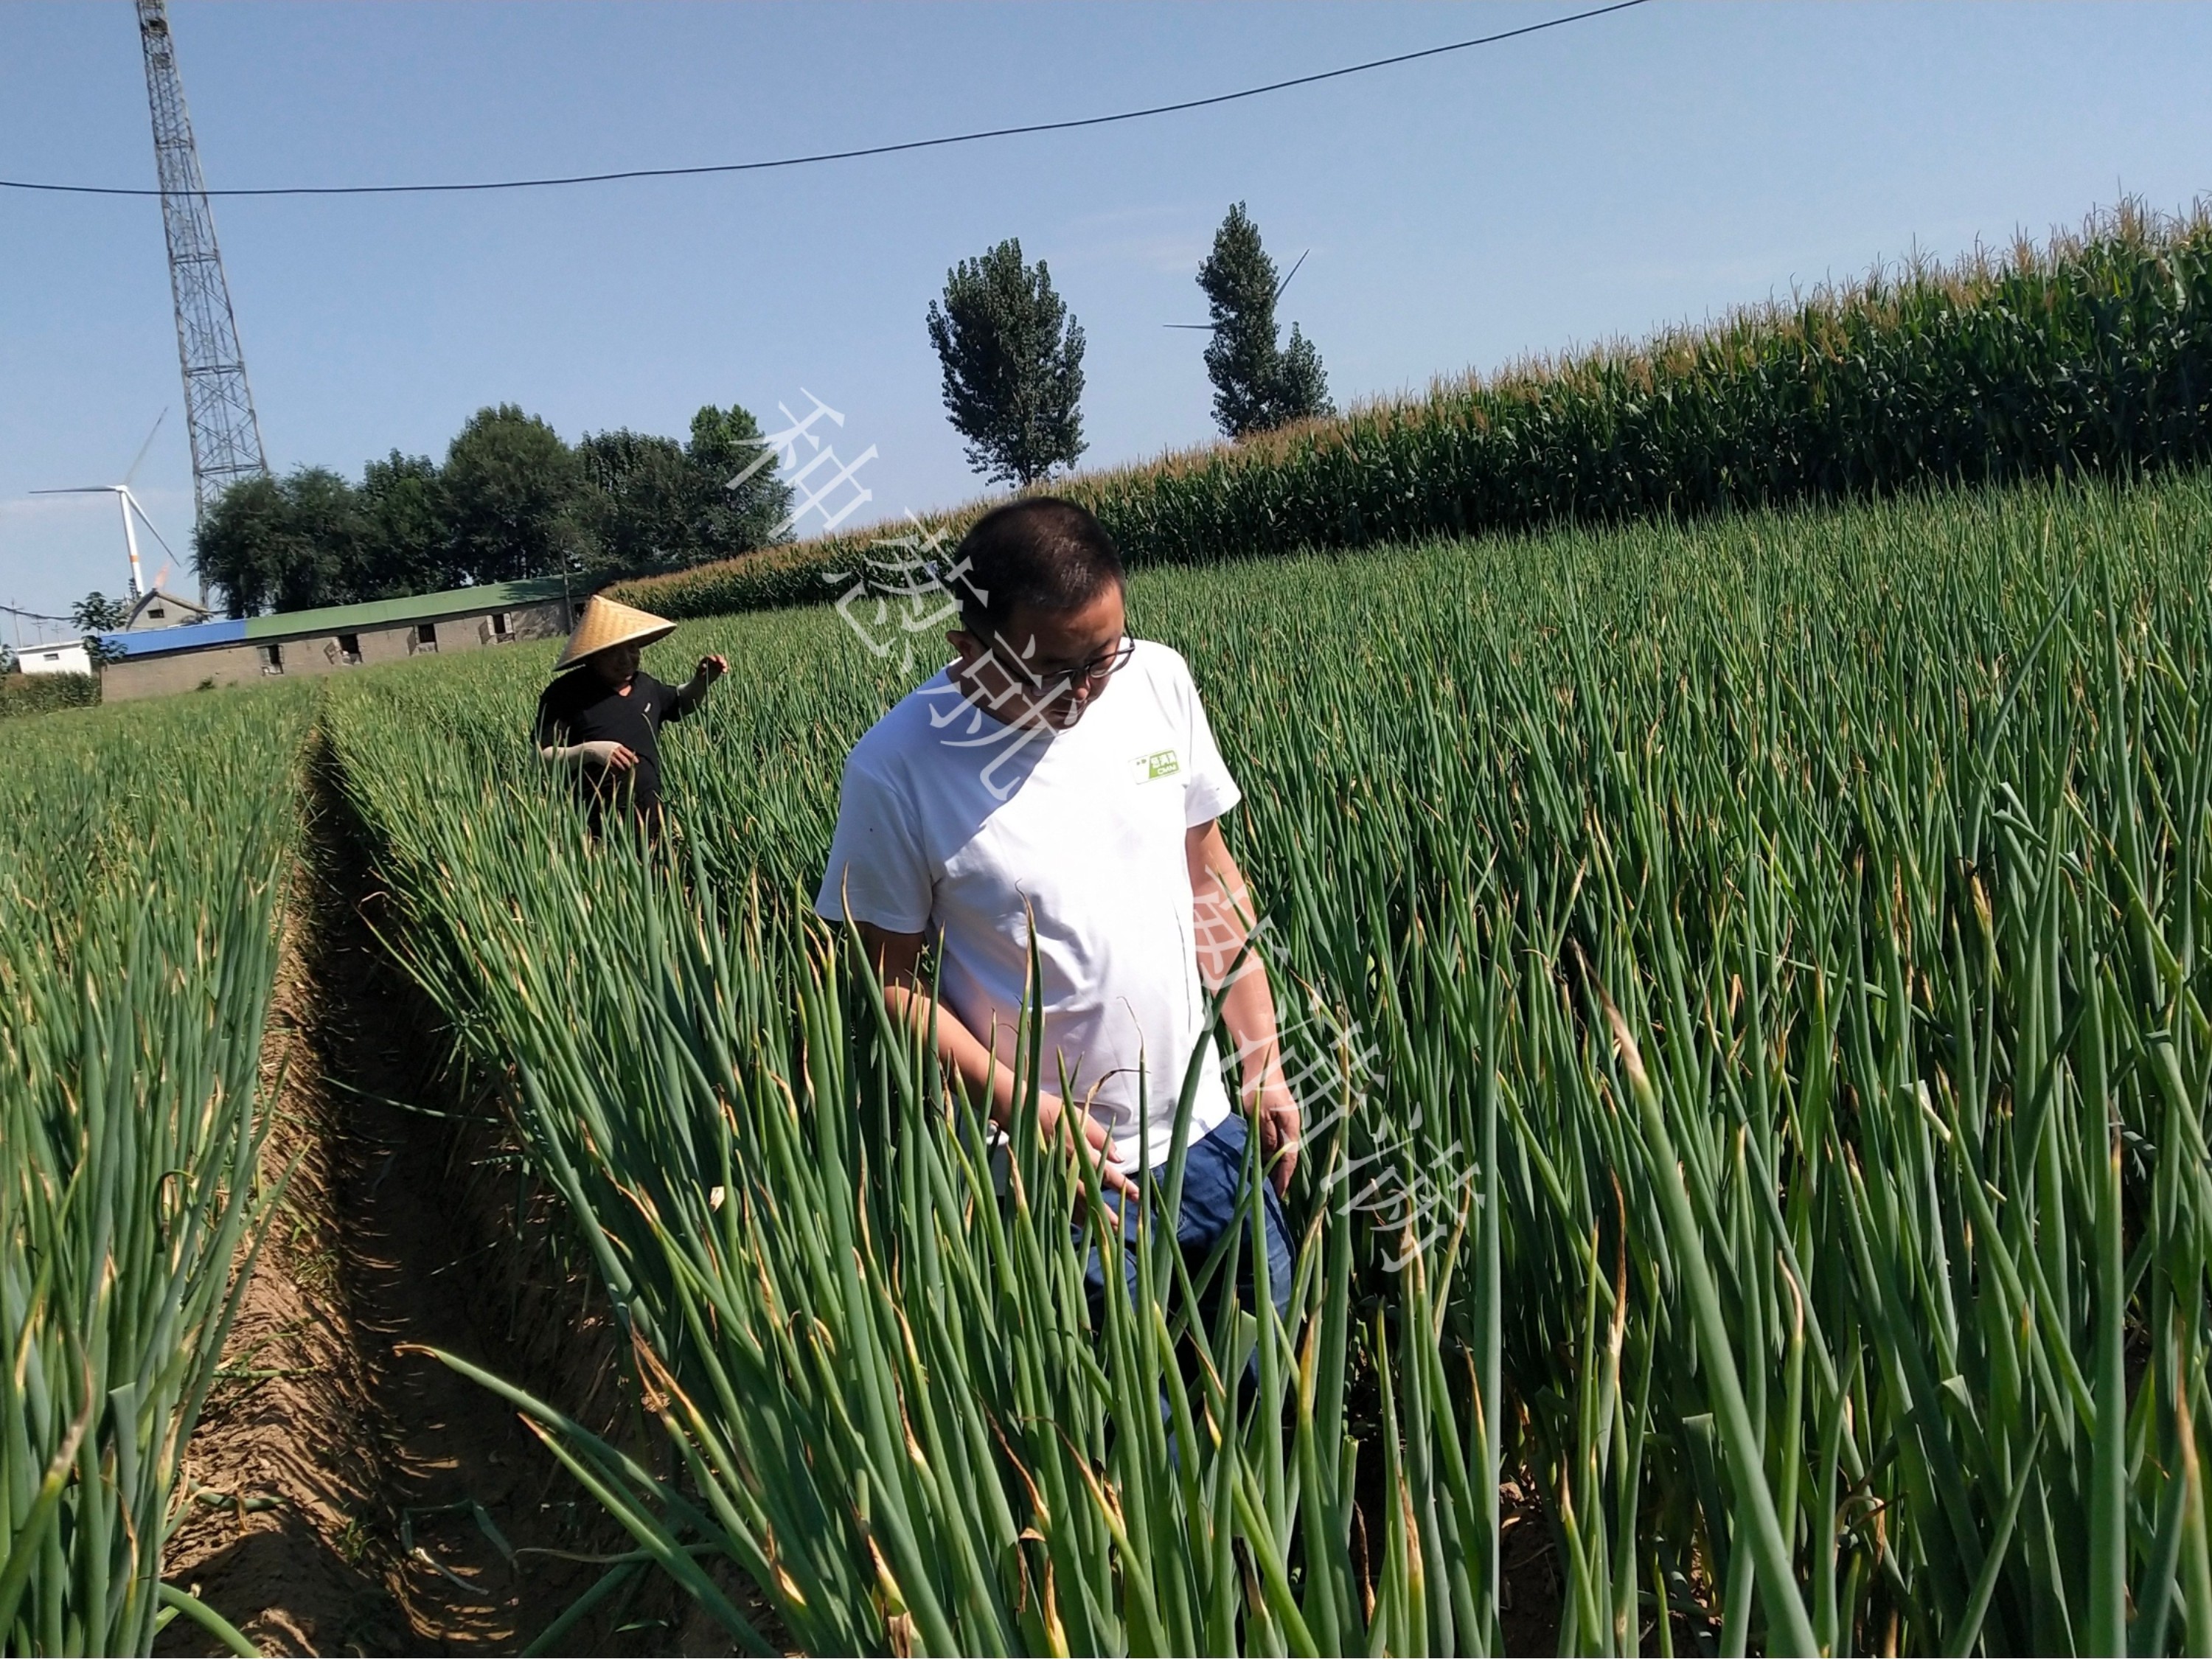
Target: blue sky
{"points": [[1660, 165]]}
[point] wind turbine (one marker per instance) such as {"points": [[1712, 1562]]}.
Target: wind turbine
{"points": [[127, 504], [1279, 287]]}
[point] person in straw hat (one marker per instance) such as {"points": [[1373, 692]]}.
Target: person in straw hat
{"points": [[602, 715]]}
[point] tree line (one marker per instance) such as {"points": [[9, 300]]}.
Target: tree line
{"points": [[511, 499]]}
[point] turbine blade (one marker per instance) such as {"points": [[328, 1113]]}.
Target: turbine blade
{"points": [[143, 447], [1285, 283], [148, 522]]}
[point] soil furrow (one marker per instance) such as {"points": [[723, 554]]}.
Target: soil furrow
{"points": [[359, 1497]]}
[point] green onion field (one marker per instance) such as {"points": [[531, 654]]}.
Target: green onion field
{"points": [[1747, 978], [143, 872]]}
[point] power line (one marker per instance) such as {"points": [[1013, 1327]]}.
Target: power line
{"points": [[849, 154], [36, 616]]}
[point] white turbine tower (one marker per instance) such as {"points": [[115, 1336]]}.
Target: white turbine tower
{"points": [[127, 504]]}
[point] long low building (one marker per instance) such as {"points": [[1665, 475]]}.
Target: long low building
{"points": [[245, 651]]}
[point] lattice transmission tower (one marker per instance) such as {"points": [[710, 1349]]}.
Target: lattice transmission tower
{"points": [[226, 434]]}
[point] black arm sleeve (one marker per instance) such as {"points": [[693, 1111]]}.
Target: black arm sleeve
{"points": [[549, 729], [672, 703]]}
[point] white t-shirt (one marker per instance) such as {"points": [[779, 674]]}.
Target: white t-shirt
{"points": [[951, 822]]}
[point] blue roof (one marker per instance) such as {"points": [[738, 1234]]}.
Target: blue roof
{"points": [[160, 641]]}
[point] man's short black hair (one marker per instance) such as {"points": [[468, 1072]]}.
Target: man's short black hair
{"points": [[1041, 552]]}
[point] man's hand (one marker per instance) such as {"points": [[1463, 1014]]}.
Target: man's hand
{"points": [[897, 958], [1275, 1109], [1095, 1144], [711, 669]]}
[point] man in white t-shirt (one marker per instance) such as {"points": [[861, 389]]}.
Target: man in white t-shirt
{"points": [[1060, 777]]}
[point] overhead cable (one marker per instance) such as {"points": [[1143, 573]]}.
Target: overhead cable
{"points": [[845, 154]]}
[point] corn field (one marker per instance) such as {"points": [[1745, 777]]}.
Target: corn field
{"points": [[2089, 353], [1745, 988], [142, 877]]}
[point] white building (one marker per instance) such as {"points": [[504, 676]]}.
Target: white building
{"points": [[69, 659]]}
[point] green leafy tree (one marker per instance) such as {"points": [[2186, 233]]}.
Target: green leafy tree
{"points": [[651, 503], [287, 543], [511, 494], [320, 559], [1258, 382], [740, 506], [96, 613], [232, 549], [640, 498], [1013, 359], [407, 544], [511, 499]]}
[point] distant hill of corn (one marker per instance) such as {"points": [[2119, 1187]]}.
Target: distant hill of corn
{"points": [[2090, 353]]}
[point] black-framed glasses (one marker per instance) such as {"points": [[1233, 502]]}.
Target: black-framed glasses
{"points": [[1095, 672]]}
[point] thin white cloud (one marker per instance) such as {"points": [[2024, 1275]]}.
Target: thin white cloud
{"points": [[1168, 238]]}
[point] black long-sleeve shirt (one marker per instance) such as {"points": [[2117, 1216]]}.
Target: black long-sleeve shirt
{"points": [[581, 708]]}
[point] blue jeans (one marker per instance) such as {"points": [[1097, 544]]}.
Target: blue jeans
{"points": [[1213, 1183]]}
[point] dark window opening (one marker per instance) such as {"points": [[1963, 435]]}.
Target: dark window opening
{"points": [[498, 629], [349, 647], [272, 658], [157, 613], [427, 633]]}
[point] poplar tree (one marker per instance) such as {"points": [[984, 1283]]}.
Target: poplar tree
{"points": [[1013, 366], [1258, 382]]}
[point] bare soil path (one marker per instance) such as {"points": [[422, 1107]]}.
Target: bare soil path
{"points": [[362, 1499]]}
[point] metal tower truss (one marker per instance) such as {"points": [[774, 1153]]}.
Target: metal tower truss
{"points": [[226, 435]]}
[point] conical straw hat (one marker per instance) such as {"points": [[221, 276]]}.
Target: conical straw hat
{"points": [[606, 623]]}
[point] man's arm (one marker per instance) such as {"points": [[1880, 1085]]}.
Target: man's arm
{"points": [[1225, 915], [897, 958]]}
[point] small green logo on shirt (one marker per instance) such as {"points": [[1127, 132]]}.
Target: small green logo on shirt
{"points": [[1161, 765]]}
